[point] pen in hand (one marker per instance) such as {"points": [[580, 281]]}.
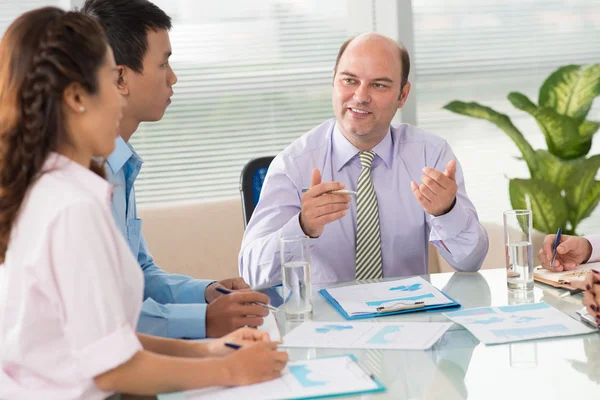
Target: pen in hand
{"points": [[227, 291], [233, 346], [342, 191], [556, 243]]}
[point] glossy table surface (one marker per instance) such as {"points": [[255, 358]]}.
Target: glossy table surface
{"points": [[460, 367]]}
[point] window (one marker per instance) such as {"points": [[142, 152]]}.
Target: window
{"points": [[481, 51], [253, 76], [11, 9]]}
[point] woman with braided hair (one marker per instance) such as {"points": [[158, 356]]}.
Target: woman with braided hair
{"points": [[73, 289]]}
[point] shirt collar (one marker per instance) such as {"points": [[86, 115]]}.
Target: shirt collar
{"points": [[84, 177], [122, 153], [345, 151]]}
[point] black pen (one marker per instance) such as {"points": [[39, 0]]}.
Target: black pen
{"points": [[233, 346], [268, 306]]}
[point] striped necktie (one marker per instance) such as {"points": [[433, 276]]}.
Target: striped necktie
{"points": [[368, 240]]}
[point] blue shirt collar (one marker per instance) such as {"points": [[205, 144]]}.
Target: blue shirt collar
{"points": [[122, 153], [344, 151]]}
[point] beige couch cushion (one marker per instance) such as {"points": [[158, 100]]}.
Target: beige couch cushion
{"points": [[203, 240], [200, 240]]}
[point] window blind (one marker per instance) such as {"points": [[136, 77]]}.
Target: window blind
{"points": [[253, 76], [11, 9], [481, 51]]}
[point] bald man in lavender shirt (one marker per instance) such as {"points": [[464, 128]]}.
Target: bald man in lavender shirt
{"points": [[399, 218]]}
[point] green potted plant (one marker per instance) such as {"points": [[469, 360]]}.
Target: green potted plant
{"points": [[562, 188]]}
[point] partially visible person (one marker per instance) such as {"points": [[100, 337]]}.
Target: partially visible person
{"points": [[571, 252], [73, 290], [175, 306]]}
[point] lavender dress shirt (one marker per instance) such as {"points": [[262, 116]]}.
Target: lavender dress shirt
{"points": [[405, 227]]}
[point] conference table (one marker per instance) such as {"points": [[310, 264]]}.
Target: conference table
{"points": [[458, 366]]}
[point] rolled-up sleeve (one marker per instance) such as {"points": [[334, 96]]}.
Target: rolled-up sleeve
{"points": [[88, 270]]}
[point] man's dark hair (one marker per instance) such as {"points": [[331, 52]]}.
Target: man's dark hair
{"points": [[126, 23], [404, 60]]}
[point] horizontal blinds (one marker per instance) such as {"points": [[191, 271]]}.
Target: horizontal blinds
{"points": [[11, 9], [481, 51], [251, 80]]}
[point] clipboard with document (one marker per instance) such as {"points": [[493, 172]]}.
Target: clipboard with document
{"points": [[371, 300]]}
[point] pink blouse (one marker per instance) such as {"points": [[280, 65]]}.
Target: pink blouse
{"points": [[72, 289]]}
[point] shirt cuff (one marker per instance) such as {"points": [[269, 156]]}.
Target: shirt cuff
{"points": [[108, 353], [187, 321], [194, 292], [595, 242], [293, 228], [449, 225]]}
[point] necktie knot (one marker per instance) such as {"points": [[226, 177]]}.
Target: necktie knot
{"points": [[366, 158]]}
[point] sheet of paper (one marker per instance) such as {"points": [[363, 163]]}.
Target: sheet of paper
{"points": [[494, 325], [365, 298], [270, 326], [366, 335], [302, 379], [564, 277]]}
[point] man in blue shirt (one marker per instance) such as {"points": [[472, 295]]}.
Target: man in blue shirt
{"points": [[175, 306]]}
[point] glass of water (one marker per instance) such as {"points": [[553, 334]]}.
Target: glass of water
{"points": [[518, 249], [295, 275]]}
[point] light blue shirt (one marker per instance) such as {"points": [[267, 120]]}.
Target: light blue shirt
{"points": [[174, 305], [405, 227]]}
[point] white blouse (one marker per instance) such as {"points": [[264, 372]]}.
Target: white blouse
{"points": [[73, 290]]}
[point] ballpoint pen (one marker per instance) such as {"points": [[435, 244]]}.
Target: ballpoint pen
{"points": [[343, 191], [233, 346], [401, 306], [227, 291], [556, 243]]}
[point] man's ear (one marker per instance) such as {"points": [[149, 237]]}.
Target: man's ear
{"points": [[123, 82], [74, 96], [404, 94]]}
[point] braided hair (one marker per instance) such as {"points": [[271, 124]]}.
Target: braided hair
{"points": [[41, 54]]}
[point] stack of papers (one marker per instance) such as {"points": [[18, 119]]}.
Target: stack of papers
{"points": [[331, 376], [364, 300], [366, 335], [495, 325]]}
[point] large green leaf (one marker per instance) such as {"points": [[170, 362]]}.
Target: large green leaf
{"points": [[571, 90], [582, 190], [562, 132], [547, 205], [553, 169], [522, 102], [587, 129], [502, 121]]}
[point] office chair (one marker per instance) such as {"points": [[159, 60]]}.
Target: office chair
{"points": [[251, 181]]}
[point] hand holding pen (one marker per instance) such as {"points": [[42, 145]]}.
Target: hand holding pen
{"points": [[265, 305], [564, 252], [318, 210]]}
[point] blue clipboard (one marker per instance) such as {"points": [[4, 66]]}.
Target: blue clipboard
{"points": [[380, 387], [331, 300]]}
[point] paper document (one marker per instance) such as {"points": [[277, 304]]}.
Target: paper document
{"points": [[494, 325], [366, 335], [331, 376], [366, 298], [563, 278]]}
